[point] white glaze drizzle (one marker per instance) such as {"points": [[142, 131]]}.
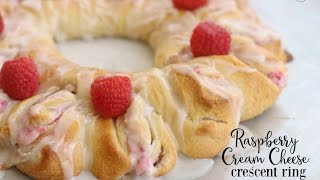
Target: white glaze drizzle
{"points": [[5, 112], [145, 13], [58, 144], [64, 151], [217, 85], [85, 78], [87, 126], [261, 34], [217, 8], [177, 122], [228, 69], [15, 120], [178, 31], [140, 148], [248, 51]]}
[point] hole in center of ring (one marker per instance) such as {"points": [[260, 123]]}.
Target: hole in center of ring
{"points": [[111, 54]]}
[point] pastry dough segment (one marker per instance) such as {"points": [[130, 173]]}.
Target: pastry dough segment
{"points": [[258, 91], [96, 18], [248, 11], [59, 151], [162, 152], [259, 58], [137, 141], [110, 160], [171, 42], [37, 149], [200, 116]]}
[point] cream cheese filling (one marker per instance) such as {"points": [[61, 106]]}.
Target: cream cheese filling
{"points": [[140, 147]]}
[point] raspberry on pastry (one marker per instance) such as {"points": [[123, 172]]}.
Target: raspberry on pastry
{"points": [[111, 96], [20, 78], [210, 39], [189, 4]]}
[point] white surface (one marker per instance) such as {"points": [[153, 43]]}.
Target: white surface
{"points": [[113, 54], [297, 112]]}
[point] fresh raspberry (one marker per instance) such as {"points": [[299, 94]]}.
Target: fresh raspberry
{"points": [[111, 96], [1, 24], [189, 4], [210, 39], [20, 78]]}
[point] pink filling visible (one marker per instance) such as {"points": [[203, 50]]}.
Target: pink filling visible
{"points": [[144, 163], [3, 105], [144, 160], [278, 78], [29, 133]]}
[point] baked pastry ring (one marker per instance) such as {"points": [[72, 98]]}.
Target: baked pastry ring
{"points": [[186, 103]]}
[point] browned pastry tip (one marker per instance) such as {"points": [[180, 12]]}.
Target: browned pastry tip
{"points": [[290, 57]]}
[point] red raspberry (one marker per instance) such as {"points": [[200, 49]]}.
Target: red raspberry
{"points": [[20, 78], [210, 39], [1, 24], [189, 4], [111, 96]]}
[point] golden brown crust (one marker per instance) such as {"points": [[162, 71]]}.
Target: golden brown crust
{"points": [[260, 58], [203, 131], [259, 92], [47, 165], [110, 160], [209, 121], [277, 50], [168, 152]]}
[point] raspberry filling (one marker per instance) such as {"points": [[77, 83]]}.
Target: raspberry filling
{"points": [[278, 78], [143, 156], [3, 105], [29, 134], [44, 115]]}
